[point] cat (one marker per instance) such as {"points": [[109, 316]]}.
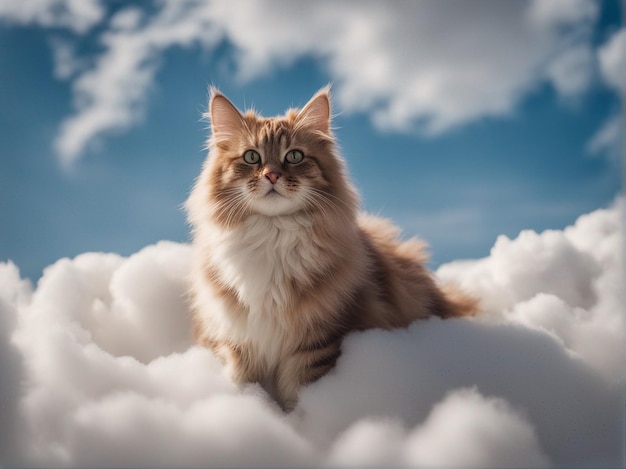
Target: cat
{"points": [[285, 266]]}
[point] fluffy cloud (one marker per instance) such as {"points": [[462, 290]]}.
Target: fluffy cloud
{"points": [[441, 64], [15, 293], [425, 65], [99, 369], [557, 282], [482, 432]]}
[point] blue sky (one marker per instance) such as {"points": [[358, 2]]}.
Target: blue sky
{"points": [[461, 121]]}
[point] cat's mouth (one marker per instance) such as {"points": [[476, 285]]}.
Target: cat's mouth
{"points": [[273, 193]]}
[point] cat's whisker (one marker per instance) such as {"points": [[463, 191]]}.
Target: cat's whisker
{"points": [[232, 204], [328, 194], [237, 207], [323, 205], [311, 203], [242, 206], [323, 198]]}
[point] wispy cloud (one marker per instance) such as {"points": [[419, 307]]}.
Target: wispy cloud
{"points": [[76, 15], [418, 65], [111, 95], [612, 57], [610, 138]]}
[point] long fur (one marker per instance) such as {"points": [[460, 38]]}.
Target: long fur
{"points": [[283, 271]]}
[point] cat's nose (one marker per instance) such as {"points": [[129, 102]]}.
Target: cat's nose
{"points": [[273, 177]]}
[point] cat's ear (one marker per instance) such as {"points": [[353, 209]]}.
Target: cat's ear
{"points": [[226, 120], [317, 112]]}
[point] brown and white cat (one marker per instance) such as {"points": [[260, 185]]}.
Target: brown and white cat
{"points": [[284, 264]]}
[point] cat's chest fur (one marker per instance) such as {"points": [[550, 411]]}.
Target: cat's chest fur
{"points": [[263, 259]]}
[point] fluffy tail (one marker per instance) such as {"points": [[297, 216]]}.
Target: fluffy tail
{"points": [[460, 304]]}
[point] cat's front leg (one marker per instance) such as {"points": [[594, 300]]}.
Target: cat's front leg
{"points": [[306, 365], [237, 362]]}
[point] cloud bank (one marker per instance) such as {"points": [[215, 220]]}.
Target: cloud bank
{"points": [[429, 66], [98, 369]]}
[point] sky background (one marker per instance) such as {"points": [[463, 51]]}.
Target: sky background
{"points": [[460, 121]]}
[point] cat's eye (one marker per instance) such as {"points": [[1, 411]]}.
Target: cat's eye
{"points": [[294, 156], [251, 157]]}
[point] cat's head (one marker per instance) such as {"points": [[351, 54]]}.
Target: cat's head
{"points": [[275, 166]]}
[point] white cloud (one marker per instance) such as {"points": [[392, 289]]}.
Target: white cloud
{"points": [[66, 64], [557, 281], [572, 71], [483, 433], [439, 63], [465, 429], [15, 293], [77, 15], [612, 57], [560, 12], [99, 370], [209, 432], [609, 139], [425, 65], [110, 96]]}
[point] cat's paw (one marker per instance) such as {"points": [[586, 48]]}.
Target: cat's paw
{"points": [[256, 390], [236, 375]]}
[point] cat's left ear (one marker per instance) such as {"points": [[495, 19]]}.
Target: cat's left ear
{"points": [[226, 120], [316, 113]]}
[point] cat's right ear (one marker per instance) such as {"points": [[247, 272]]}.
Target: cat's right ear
{"points": [[316, 114], [226, 120]]}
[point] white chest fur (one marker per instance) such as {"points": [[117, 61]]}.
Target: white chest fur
{"points": [[261, 259]]}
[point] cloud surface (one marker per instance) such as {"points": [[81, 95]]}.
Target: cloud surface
{"points": [[98, 369]]}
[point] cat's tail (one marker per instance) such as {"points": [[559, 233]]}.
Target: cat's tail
{"points": [[460, 303]]}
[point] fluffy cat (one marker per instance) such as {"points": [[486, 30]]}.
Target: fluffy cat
{"points": [[284, 264]]}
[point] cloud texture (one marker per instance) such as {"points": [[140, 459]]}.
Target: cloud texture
{"points": [[422, 65], [98, 369], [612, 58]]}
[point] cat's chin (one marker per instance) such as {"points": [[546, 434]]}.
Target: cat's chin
{"points": [[273, 204]]}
